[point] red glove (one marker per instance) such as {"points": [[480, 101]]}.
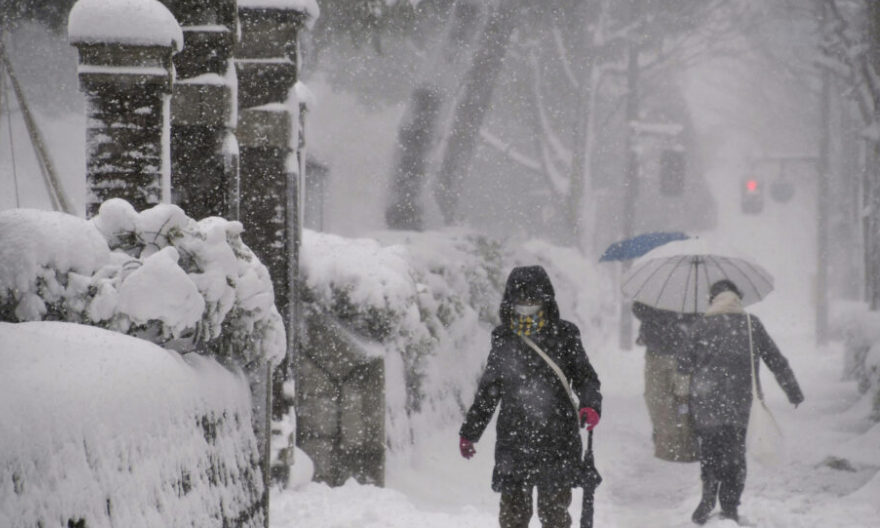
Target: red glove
{"points": [[466, 447], [589, 417]]}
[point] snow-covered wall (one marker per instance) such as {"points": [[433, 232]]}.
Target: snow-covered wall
{"points": [[430, 300], [118, 432]]}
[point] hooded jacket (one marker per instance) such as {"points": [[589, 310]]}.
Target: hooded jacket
{"points": [[717, 358], [537, 431]]}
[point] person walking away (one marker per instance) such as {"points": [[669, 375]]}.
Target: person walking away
{"points": [[664, 335], [717, 359], [538, 445]]}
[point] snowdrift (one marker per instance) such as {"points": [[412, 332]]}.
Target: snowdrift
{"points": [[119, 432], [860, 330]]}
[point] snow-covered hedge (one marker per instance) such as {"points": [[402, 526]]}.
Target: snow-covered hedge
{"points": [[860, 330], [100, 427], [431, 300], [158, 275]]}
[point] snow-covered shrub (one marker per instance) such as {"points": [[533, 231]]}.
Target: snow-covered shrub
{"points": [[115, 431], [158, 275], [860, 330], [431, 300]]}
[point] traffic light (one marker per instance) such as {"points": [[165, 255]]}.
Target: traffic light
{"points": [[782, 190], [752, 195], [673, 166]]}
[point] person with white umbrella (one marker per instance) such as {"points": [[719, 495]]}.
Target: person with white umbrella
{"points": [[720, 360]]}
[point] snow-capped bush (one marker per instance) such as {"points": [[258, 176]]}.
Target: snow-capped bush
{"points": [[105, 430], [158, 275], [860, 330], [431, 300]]}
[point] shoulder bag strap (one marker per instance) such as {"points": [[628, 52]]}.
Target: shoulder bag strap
{"points": [[556, 369], [756, 387], [755, 392]]}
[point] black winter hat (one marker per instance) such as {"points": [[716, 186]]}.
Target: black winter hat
{"points": [[722, 286]]}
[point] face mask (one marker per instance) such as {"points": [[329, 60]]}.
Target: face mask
{"points": [[527, 309]]}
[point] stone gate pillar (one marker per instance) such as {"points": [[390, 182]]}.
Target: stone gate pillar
{"points": [[266, 60], [204, 149], [125, 70]]}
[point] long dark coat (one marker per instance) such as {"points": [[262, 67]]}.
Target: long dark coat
{"points": [[538, 441], [717, 357], [664, 332]]}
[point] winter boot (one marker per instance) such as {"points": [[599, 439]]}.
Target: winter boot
{"points": [[707, 503], [730, 514]]}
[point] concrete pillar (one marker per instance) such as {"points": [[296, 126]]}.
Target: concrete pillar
{"points": [[125, 70], [204, 149]]}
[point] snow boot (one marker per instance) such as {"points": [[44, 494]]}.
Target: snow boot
{"points": [[730, 514], [707, 503]]}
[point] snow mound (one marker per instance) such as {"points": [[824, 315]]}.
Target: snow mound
{"points": [[860, 330], [135, 22], [157, 274], [117, 431], [34, 241]]}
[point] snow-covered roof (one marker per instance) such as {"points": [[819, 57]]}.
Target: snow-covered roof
{"points": [[307, 7], [134, 22]]}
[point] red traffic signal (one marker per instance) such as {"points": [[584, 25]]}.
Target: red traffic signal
{"points": [[752, 195], [752, 185]]}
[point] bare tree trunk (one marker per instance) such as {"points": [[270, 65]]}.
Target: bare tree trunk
{"points": [[417, 133], [580, 169], [631, 178], [873, 191], [822, 190], [472, 106]]}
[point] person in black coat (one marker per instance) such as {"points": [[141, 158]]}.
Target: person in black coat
{"points": [[718, 361], [538, 444]]}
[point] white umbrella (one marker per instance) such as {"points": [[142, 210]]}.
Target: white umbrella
{"points": [[677, 276]]}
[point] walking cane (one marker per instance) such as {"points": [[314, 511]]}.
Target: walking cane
{"points": [[592, 479]]}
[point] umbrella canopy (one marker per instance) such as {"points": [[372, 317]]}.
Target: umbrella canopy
{"points": [[637, 246], [677, 276]]}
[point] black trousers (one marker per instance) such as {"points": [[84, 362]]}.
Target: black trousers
{"points": [[723, 464], [516, 508]]}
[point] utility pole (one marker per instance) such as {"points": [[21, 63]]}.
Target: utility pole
{"points": [[822, 190], [631, 178]]}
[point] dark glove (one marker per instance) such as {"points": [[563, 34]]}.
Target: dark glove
{"points": [[589, 417], [466, 447]]}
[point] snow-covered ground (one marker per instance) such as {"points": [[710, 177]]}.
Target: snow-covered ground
{"points": [[436, 488]]}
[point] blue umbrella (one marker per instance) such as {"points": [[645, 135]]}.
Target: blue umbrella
{"points": [[637, 246]]}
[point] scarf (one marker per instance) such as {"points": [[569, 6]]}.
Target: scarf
{"points": [[725, 302], [528, 324]]}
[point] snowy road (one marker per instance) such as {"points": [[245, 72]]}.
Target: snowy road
{"points": [[436, 488]]}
